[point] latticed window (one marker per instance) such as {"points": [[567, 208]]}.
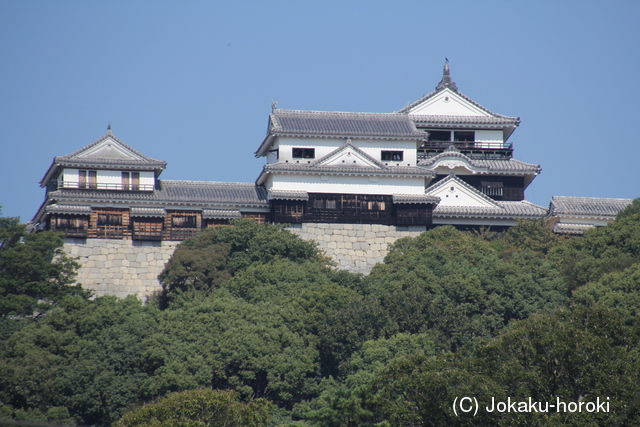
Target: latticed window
{"points": [[69, 222], [324, 204], [109, 219], [184, 221], [373, 205]]}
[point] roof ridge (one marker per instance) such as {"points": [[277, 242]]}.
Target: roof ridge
{"points": [[110, 135], [343, 147]]}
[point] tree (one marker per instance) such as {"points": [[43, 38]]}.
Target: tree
{"points": [[35, 272], [456, 286], [601, 250], [216, 254], [200, 408]]}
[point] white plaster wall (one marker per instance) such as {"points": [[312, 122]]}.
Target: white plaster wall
{"points": [[454, 195], [109, 177], [447, 103], [348, 184], [148, 178], [489, 135], [324, 146], [70, 175]]}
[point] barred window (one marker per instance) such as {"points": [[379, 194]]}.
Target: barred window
{"points": [[184, 221], [109, 219]]}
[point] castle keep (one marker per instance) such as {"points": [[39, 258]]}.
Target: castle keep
{"points": [[353, 182]]}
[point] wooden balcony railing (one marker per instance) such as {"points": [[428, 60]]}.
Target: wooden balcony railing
{"points": [[105, 186], [473, 148]]}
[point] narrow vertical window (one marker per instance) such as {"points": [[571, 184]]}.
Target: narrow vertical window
{"points": [[93, 180], [82, 179], [125, 180], [135, 181]]}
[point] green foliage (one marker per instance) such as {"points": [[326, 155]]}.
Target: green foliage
{"points": [[533, 235], [572, 354], [255, 311], [456, 286], [601, 250], [218, 253], [199, 408], [619, 291], [344, 403], [34, 270]]}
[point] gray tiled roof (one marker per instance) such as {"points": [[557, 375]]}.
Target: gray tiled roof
{"points": [[275, 194], [348, 146], [587, 206], [221, 214], [76, 157], [176, 193], [415, 198], [491, 165], [298, 122], [570, 228], [464, 120], [69, 209], [513, 121], [124, 157], [148, 212], [518, 209], [347, 170]]}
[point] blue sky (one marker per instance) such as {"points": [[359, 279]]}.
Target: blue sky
{"points": [[192, 82]]}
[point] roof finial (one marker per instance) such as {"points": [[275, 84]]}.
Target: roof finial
{"points": [[109, 129], [274, 106], [446, 78]]}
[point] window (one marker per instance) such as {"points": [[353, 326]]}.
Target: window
{"points": [[492, 188], [439, 135], [304, 153], [109, 220], [324, 204], [372, 205], [87, 179], [131, 181], [393, 155], [184, 221], [467, 136]]}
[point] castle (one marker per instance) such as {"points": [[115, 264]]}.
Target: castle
{"points": [[354, 182]]}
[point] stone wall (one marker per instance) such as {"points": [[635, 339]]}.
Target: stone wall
{"points": [[355, 247], [120, 267], [126, 267]]}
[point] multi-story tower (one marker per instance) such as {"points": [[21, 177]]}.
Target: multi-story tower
{"points": [[466, 146]]}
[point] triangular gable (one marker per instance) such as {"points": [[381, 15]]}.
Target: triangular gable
{"points": [[107, 147], [447, 102], [452, 191], [348, 155]]}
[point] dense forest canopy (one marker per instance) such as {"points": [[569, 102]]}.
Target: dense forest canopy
{"points": [[255, 327]]}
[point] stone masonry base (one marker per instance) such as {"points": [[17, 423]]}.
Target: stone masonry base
{"points": [[126, 267]]}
